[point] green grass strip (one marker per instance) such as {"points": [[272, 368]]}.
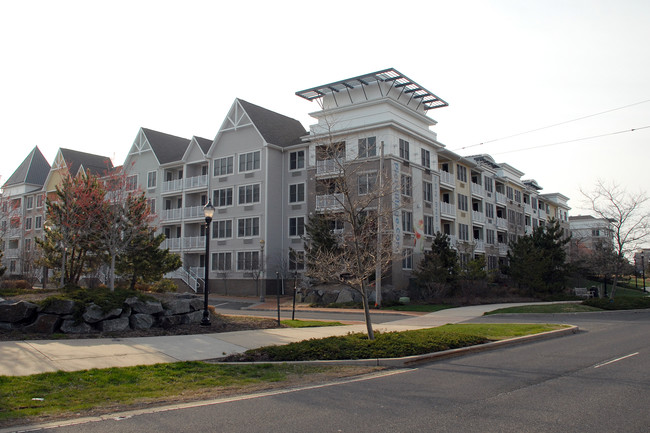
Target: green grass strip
{"points": [[308, 323], [423, 308], [544, 309]]}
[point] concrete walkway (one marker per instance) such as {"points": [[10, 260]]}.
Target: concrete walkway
{"points": [[19, 358]]}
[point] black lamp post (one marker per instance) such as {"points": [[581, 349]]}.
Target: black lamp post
{"points": [[208, 212], [643, 271]]}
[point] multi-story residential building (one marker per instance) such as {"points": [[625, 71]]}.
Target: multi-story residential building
{"points": [[589, 233], [23, 214], [265, 175]]}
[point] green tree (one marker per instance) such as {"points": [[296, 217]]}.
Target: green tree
{"points": [[143, 259], [438, 271], [538, 261]]}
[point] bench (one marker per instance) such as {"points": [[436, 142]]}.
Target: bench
{"points": [[582, 292]]}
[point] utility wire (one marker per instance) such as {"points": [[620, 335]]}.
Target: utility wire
{"points": [[551, 126], [572, 141]]}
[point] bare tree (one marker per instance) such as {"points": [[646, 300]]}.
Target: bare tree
{"points": [[355, 199], [630, 221]]}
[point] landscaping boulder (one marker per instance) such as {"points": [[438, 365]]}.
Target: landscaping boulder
{"points": [[344, 297], [177, 306], [70, 327], [141, 321], [330, 296], [167, 322], [191, 318], [114, 325], [95, 314], [196, 304], [14, 312], [144, 307], [44, 324], [312, 298], [61, 307]]}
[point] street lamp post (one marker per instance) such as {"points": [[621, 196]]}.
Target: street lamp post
{"points": [[208, 212], [643, 271], [261, 270]]}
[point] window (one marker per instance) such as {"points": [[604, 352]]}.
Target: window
{"points": [[296, 226], [366, 182], [407, 258], [407, 221], [223, 166], [248, 227], [489, 236], [29, 202], [407, 189], [151, 179], [249, 161], [28, 223], [518, 196], [367, 147], [249, 194], [38, 222], [248, 260], [595, 232], [336, 225], [427, 191], [428, 225], [28, 244], [152, 205], [222, 261], [403, 149], [489, 210], [488, 182], [222, 229], [297, 193], [463, 232], [511, 216], [297, 160], [461, 173], [132, 183], [296, 260], [426, 158], [509, 192], [222, 197], [462, 202]]}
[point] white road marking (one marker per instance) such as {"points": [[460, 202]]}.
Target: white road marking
{"points": [[615, 360]]}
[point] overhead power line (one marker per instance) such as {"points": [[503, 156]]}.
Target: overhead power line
{"points": [[552, 126], [573, 141]]}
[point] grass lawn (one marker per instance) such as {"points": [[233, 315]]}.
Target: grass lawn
{"points": [[392, 344], [51, 395], [308, 323], [546, 308]]}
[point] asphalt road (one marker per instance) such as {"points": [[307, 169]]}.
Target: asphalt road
{"points": [[239, 308], [595, 381]]}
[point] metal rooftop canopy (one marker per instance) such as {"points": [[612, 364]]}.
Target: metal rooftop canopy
{"points": [[398, 81]]}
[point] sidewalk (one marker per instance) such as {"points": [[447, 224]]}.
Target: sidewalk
{"points": [[20, 358]]}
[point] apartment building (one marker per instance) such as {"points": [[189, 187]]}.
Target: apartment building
{"points": [[265, 175], [589, 233]]}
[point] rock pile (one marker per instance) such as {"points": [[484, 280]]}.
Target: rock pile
{"points": [[59, 315]]}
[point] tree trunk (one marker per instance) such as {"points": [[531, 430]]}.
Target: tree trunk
{"points": [[111, 277], [366, 311]]}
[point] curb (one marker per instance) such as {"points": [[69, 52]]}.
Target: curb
{"points": [[413, 360]]}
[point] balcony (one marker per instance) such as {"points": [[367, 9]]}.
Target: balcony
{"points": [[196, 182], [478, 217], [447, 209], [167, 215], [184, 243], [13, 253], [501, 198], [447, 178], [193, 212], [328, 167], [502, 223], [172, 186], [479, 245], [503, 249], [329, 202], [477, 189]]}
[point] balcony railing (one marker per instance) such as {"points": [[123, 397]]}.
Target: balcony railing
{"points": [[193, 212], [170, 214], [447, 178], [185, 243], [478, 217], [502, 223], [328, 166], [501, 198], [503, 249], [479, 245], [329, 202], [172, 185], [477, 189], [447, 209], [196, 182]]}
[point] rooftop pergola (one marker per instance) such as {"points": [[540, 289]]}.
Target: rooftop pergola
{"points": [[398, 82]]}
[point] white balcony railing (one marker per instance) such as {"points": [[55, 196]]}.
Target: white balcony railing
{"points": [[196, 182], [478, 217], [503, 249], [479, 245], [447, 178], [447, 209], [193, 212], [501, 198], [185, 243], [174, 244], [328, 166], [12, 253], [170, 214], [329, 201], [172, 185], [502, 223], [477, 189]]}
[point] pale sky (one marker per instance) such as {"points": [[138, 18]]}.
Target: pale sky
{"points": [[86, 75]]}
